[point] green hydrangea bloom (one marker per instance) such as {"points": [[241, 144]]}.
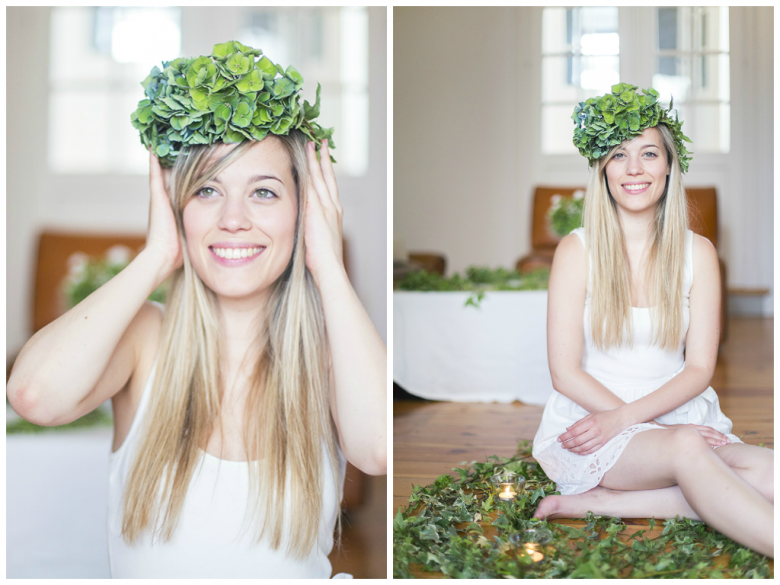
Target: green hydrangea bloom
{"points": [[235, 94], [605, 121]]}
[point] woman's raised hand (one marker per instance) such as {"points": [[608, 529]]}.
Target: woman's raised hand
{"points": [[162, 238], [322, 232]]}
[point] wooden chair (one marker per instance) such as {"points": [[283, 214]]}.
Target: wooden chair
{"points": [[430, 262], [702, 215], [54, 249]]}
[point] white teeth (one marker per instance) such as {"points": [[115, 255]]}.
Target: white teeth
{"points": [[235, 253], [636, 187]]}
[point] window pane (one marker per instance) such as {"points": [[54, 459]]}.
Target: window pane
{"points": [[557, 130], [556, 30], [710, 128], [677, 82]]}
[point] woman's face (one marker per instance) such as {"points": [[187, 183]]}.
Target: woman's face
{"points": [[240, 226], [636, 173]]}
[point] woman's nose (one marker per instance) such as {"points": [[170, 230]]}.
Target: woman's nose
{"points": [[634, 165], [234, 216]]}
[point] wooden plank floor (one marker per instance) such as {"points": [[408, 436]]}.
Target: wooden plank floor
{"points": [[363, 551], [430, 438]]}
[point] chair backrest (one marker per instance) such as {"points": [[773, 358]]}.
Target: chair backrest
{"points": [[431, 262], [54, 249], [702, 214]]}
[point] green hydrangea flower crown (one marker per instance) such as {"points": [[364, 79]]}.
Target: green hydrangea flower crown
{"points": [[235, 94], [605, 121]]}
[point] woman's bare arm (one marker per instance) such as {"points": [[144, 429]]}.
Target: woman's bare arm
{"points": [[565, 307], [82, 359], [358, 398], [86, 356]]}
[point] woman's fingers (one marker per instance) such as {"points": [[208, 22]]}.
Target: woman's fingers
{"points": [[317, 179], [577, 428], [330, 176], [713, 437], [581, 436]]}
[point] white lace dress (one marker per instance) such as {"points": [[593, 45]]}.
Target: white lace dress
{"points": [[630, 373]]}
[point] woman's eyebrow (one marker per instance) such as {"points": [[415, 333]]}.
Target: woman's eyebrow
{"points": [[254, 179]]}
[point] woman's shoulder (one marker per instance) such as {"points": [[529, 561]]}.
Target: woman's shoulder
{"points": [[706, 267], [570, 264], [572, 246], [704, 253]]}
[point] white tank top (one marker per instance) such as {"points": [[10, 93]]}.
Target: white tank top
{"points": [[208, 541]]}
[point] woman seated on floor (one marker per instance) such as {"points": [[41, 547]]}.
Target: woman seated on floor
{"points": [[633, 428]]}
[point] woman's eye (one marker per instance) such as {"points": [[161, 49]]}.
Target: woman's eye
{"points": [[205, 192], [619, 155], [651, 154], [265, 194]]}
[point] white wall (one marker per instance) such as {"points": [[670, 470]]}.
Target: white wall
{"points": [[467, 134], [37, 199]]}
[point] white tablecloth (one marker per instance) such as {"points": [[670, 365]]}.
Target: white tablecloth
{"points": [[56, 504], [443, 350]]}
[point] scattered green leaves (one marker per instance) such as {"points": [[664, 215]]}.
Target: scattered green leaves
{"points": [[478, 280], [99, 417], [441, 530]]}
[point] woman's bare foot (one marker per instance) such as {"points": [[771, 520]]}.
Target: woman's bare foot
{"points": [[576, 506]]}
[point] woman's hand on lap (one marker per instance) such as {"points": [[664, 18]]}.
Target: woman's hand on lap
{"points": [[589, 434], [323, 214], [713, 437]]}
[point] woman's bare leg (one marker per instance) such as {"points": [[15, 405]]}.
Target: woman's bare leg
{"points": [[753, 464], [661, 459], [661, 503]]}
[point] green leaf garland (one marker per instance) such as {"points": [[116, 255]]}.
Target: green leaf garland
{"points": [[605, 121], [229, 96]]}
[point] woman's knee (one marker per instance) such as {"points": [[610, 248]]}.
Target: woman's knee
{"points": [[686, 443]]}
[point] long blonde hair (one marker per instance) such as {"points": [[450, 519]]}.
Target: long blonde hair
{"points": [[287, 417], [611, 321]]}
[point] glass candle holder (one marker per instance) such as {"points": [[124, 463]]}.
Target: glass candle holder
{"points": [[531, 543], [507, 486]]}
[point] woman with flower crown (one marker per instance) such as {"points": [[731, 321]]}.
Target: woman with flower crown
{"points": [[236, 405], [633, 428]]}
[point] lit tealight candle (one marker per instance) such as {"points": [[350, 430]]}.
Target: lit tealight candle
{"points": [[530, 544], [532, 551], [508, 494]]}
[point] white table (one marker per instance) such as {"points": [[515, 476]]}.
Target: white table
{"points": [[56, 504], [443, 350]]}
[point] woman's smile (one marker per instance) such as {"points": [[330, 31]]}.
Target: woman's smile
{"points": [[636, 188], [235, 254]]}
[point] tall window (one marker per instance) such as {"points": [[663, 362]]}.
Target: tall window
{"points": [[580, 59], [692, 65], [99, 56]]}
